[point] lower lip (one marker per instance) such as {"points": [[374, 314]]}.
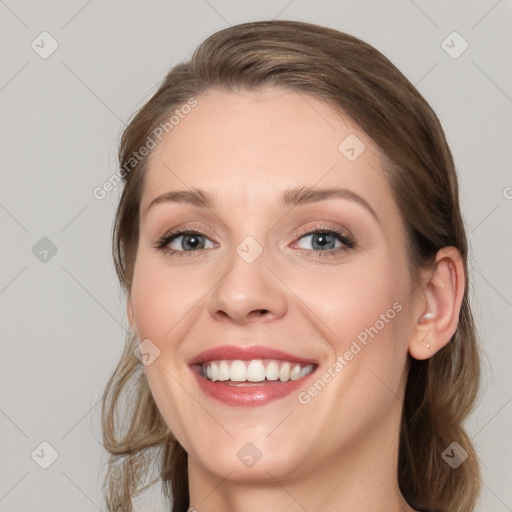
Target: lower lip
{"points": [[249, 396]]}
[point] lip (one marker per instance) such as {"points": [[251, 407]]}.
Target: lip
{"points": [[231, 352], [253, 394]]}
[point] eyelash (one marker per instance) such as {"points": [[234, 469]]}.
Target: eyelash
{"points": [[347, 241], [162, 243]]}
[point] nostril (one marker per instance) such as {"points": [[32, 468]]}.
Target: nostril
{"points": [[258, 312], [251, 315]]}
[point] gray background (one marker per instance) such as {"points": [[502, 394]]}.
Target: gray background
{"points": [[62, 318]]}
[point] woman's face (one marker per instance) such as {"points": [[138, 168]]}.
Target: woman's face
{"points": [[277, 278]]}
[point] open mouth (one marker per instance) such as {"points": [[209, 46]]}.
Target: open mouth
{"points": [[256, 371], [253, 375], [254, 382]]}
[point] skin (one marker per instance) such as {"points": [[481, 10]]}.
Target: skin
{"points": [[339, 451]]}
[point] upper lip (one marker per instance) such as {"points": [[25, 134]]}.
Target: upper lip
{"points": [[232, 352]]}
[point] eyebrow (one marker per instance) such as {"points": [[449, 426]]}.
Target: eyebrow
{"points": [[289, 198]]}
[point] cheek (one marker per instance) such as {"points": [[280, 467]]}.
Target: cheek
{"points": [[370, 321], [353, 299], [362, 311], [161, 298]]}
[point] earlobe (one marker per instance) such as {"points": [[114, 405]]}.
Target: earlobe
{"points": [[441, 298]]}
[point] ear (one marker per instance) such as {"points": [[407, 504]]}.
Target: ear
{"points": [[439, 303]]}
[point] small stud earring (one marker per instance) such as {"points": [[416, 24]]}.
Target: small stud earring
{"points": [[428, 346]]}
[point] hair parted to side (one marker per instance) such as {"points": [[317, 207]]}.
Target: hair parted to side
{"points": [[357, 80]]}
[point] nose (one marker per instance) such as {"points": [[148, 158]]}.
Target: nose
{"points": [[249, 292]]}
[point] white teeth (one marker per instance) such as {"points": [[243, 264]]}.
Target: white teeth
{"points": [[295, 372], [256, 370], [223, 370], [304, 371], [284, 374], [238, 371], [272, 372], [214, 372]]}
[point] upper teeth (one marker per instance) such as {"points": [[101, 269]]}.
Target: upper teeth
{"points": [[256, 370]]}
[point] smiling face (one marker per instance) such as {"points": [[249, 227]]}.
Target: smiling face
{"points": [[295, 244]]}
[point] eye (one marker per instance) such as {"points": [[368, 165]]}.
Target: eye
{"points": [[179, 242], [323, 241]]}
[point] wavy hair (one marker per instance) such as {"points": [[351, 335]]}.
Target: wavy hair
{"points": [[358, 81]]}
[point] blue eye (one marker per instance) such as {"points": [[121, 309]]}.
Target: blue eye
{"points": [[183, 241], [323, 240]]}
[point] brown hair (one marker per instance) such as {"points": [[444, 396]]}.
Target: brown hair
{"points": [[356, 79]]}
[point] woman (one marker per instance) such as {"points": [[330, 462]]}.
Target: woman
{"points": [[291, 244]]}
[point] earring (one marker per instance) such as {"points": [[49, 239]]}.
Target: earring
{"points": [[428, 346], [427, 316]]}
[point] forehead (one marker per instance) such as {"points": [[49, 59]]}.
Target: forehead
{"points": [[248, 146]]}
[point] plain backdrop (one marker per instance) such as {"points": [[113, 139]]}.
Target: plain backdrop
{"points": [[65, 96]]}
